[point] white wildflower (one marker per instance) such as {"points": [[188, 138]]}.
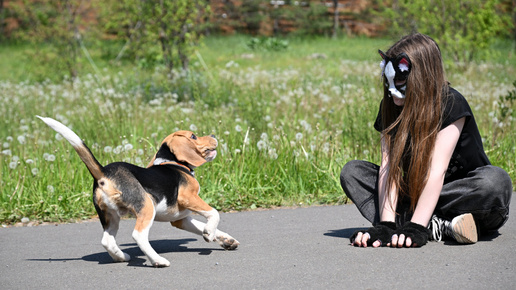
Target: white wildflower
{"points": [[261, 145], [272, 153], [21, 139]]}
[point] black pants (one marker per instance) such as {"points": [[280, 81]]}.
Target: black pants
{"points": [[486, 193]]}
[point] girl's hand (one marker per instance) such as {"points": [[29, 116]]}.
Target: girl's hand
{"points": [[410, 235], [401, 241], [376, 236]]}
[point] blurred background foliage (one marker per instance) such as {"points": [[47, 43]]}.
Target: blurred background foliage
{"points": [[168, 32]]}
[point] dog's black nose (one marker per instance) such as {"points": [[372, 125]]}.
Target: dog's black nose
{"points": [[212, 136]]}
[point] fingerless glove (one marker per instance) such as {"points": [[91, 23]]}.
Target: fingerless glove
{"points": [[416, 232], [381, 232]]}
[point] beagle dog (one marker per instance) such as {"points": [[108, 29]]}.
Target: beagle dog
{"points": [[165, 191]]}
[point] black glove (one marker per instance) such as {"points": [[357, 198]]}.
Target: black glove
{"points": [[416, 232], [381, 232]]}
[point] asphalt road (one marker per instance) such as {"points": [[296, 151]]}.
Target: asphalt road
{"points": [[302, 248]]}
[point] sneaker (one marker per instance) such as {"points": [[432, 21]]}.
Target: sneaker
{"points": [[462, 229]]}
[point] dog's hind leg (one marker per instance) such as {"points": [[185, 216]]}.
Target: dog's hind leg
{"points": [[144, 220], [108, 239], [197, 227]]}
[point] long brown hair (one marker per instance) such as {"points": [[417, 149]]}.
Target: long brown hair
{"points": [[410, 134]]}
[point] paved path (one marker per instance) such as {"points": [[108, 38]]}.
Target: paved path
{"points": [[303, 248]]}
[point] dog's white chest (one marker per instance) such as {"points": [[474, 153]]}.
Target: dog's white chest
{"points": [[165, 213]]}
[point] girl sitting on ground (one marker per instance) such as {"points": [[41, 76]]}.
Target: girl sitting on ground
{"points": [[435, 179]]}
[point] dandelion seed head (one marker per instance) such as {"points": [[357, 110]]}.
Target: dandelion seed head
{"points": [[117, 149], [193, 128], [108, 149], [299, 136], [50, 158], [326, 148], [238, 128], [128, 147], [35, 171], [261, 145], [21, 139], [50, 189], [273, 154], [13, 164]]}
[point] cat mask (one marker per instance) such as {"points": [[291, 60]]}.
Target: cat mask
{"points": [[395, 69]]}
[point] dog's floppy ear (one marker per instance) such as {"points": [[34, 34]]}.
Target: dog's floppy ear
{"points": [[152, 161], [185, 150]]}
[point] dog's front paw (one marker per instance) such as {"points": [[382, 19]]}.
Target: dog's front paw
{"points": [[160, 262], [120, 257], [209, 236], [228, 243]]}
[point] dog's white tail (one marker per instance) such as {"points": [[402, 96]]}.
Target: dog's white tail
{"points": [[84, 152]]}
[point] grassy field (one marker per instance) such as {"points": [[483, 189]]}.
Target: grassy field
{"points": [[287, 121]]}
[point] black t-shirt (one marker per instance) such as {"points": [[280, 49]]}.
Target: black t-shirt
{"points": [[469, 152]]}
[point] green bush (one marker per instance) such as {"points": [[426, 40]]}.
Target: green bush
{"points": [[267, 43], [463, 29]]}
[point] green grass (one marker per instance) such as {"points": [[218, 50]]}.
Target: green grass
{"points": [[286, 122]]}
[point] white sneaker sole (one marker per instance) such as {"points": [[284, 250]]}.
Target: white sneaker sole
{"points": [[464, 229]]}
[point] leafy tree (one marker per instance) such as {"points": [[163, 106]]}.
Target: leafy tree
{"points": [[462, 28], [164, 31], [52, 26]]}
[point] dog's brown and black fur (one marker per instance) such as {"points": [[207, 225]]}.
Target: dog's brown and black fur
{"points": [[164, 191]]}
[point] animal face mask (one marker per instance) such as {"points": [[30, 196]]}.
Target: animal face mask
{"points": [[396, 70]]}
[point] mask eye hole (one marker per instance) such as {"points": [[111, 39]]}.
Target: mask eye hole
{"points": [[400, 82], [193, 137]]}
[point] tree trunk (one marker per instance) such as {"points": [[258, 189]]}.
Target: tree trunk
{"points": [[336, 18]]}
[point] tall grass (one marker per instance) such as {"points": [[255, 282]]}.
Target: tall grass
{"points": [[286, 122]]}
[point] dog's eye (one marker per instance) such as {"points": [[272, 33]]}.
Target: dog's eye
{"points": [[194, 137]]}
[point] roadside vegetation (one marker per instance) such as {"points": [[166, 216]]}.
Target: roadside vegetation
{"points": [[287, 121], [288, 111]]}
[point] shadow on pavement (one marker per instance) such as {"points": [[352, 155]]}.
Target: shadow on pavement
{"points": [[138, 259], [343, 233]]}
